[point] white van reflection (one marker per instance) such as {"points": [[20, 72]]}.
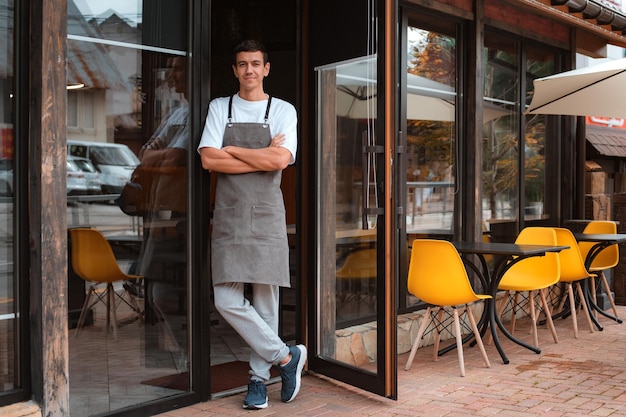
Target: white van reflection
{"points": [[114, 161]]}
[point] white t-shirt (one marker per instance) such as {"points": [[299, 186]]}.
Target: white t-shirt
{"points": [[174, 129], [282, 119]]}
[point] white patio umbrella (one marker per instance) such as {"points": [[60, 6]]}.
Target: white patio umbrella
{"points": [[597, 90], [426, 99], [353, 103]]}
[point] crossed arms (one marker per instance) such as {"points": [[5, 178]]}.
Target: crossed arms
{"points": [[237, 160]]}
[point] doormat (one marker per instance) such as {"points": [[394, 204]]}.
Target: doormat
{"points": [[223, 377]]}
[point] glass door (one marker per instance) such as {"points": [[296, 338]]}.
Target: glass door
{"points": [[351, 337], [128, 107], [11, 365]]}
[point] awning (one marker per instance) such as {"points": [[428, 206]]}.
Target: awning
{"points": [[597, 90], [607, 141]]}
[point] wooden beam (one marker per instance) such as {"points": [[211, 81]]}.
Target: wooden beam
{"points": [[591, 45], [544, 7], [47, 208]]}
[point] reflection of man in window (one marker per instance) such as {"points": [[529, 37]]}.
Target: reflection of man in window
{"points": [[162, 258]]}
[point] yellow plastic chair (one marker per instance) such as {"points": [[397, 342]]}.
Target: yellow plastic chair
{"points": [[93, 261], [573, 271], [359, 269], [607, 258], [438, 277], [533, 275]]}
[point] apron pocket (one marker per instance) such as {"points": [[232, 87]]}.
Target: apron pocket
{"points": [[268, 222]]}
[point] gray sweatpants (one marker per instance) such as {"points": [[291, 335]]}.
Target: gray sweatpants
{"points": [[256, 323]]}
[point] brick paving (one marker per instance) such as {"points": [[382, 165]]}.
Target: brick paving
{"points": [[576, 377]]}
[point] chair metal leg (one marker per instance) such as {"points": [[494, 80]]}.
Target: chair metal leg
{"points": [[131, 302], [592, 284], [83, 311], [439, 329]]}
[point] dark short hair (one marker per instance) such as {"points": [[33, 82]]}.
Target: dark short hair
{"points": [[250, 45]]}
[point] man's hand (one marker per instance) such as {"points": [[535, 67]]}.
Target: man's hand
{"points": [[277, 140]]}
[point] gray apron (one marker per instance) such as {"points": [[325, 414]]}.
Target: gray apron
{"points": [[249, 235]]}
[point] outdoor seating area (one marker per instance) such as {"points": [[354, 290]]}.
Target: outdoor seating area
{"points": [[575, 377], [542, 260]]}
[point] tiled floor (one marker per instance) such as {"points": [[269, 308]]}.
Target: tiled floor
{"points": [[106, 373], [576, 377]]}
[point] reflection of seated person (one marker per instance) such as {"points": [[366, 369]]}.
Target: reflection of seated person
{"points": [[162, 257]]}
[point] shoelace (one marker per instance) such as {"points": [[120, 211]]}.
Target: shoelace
{"points": [[255, 387]]}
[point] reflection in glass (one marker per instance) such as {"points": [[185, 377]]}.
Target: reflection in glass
{"points": [[431, 143], [507, 194], [538, 64], [9, 364], [348, 194], [130, 109], [500, 135]]}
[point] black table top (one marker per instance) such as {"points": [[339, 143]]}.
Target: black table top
{"points": [[608, 237], [497, 248]]}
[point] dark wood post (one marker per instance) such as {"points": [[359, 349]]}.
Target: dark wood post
{"points": [[47, 208], [470, 166]]}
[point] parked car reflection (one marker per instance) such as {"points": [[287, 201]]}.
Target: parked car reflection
{"points": [[82, 177], [6, 177], [114, 161]]}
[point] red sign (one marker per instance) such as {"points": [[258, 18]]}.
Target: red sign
{"points": [[6, 138], [606, 122]]}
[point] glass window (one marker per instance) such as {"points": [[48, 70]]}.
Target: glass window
{"points": [[80, 109], [127, 65], [72, 109], [9, 329], [514, 178], [88, 110], [431, 131], [539, 63], [501, 135]]}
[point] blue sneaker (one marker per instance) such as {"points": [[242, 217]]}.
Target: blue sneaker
{"points": [[256, 398], [291, 373]]}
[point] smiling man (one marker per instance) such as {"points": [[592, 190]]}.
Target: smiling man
{"points": [[248, 139]]}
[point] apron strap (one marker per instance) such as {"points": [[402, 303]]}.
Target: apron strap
{"points": [[230, 110], [267, 110]]}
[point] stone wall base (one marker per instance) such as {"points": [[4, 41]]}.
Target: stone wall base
{"points": [[24, 409], [356, 345]]}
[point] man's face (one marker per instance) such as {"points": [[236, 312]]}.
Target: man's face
{"points": [[178, 75], [250, 70]]}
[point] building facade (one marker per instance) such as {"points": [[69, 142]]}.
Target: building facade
{"points": [[411, 119]]}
